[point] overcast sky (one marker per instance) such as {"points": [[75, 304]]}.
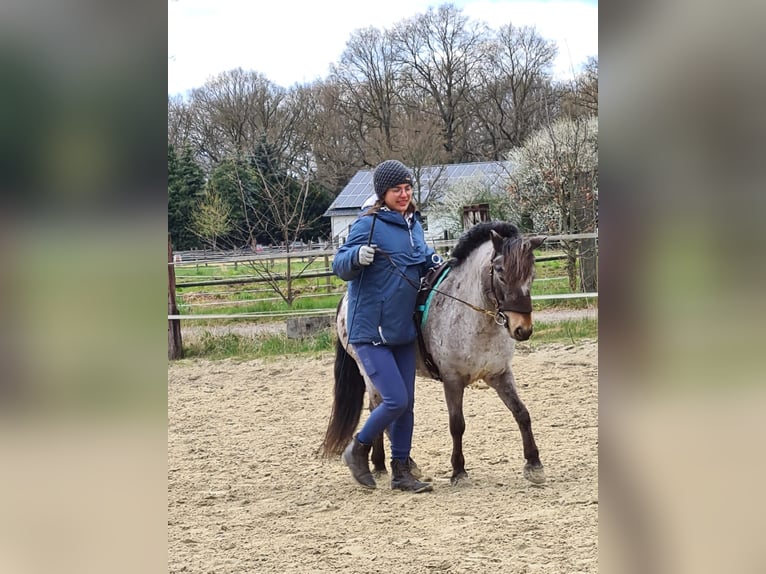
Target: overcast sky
{"points": [[295, 41]]}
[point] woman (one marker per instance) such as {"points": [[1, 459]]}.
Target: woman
{"points": [[383, 260]]}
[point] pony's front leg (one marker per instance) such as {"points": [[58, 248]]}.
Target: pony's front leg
{"points": [[505, 387], [453, 393]]}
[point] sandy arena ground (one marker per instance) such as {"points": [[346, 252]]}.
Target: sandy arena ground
{"points": [[247, 491]]}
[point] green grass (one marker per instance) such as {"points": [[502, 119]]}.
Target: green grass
{"points": [[232, 345], [570, 331], [551, 279], [238, 346]]}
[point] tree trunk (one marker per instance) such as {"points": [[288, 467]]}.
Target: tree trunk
{"points": [[571, 265], [584, 211], [589, 265]]}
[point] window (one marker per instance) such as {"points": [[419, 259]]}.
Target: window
{"points": [[473, 214]]}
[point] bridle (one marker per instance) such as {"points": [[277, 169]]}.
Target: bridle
{"points": [[521, 304]]}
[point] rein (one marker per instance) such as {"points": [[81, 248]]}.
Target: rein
{"points": [[498, 315]]}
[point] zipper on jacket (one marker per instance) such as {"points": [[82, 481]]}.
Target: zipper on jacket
{"points": [[382, 338]]}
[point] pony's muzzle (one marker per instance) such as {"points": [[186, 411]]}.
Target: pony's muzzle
{"points": [[522, 333], [520, 326]]}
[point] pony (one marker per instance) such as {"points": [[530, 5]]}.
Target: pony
{"points": [[473, 314]]}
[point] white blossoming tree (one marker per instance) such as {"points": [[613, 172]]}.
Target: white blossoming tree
{"points": [[554, 188], [452, 199]]}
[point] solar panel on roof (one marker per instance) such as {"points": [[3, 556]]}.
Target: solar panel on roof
{"points": [[432, 178]]}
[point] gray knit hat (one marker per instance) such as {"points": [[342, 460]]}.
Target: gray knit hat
{"points": [[389, 174]]}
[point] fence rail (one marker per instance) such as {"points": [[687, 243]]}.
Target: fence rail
{"points": [[186, 259], [331, 310]]}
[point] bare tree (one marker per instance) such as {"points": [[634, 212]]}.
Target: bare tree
{"points": [[368, 71], [286, 202], [235, 110], [514, 88], [440, 50], [179, 123], [581, 96], [331, 132]]}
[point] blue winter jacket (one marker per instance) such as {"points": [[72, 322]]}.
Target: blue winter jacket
{"points": [[381, 302]]}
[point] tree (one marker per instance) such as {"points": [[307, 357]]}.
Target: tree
{"points": [[212, 217], [449, 209], [440, 53], [332, 129], [580, 98], [236, 183], [555, 181], [179, 123], [292, 205], [186, 183], [513, 98], [235, 110], [587, 86], [369, 72]]}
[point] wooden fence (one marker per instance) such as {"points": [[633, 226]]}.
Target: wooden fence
{"points": [[185, 259]]}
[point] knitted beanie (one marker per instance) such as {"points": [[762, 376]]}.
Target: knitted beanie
{"points": [[389, 174]]}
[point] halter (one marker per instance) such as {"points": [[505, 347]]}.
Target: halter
{"points": [[521, 304]]}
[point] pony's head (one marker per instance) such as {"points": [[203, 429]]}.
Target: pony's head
{"points": [[512, 270]]}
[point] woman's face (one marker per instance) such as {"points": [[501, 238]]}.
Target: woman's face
{"points": [[398, 198]]}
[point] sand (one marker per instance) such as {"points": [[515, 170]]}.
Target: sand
{"points": [[248, 492]]}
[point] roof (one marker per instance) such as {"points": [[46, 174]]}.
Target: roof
{"points": [[432, 178]]}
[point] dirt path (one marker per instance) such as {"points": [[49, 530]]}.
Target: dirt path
{"points": [[247, 492]]}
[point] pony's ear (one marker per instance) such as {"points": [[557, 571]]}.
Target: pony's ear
{"points": [[537, 241], [497, 240]]}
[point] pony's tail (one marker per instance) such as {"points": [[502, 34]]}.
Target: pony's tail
{"points": [[347, 406]]}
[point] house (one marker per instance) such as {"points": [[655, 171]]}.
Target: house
{"points": [[431, 183]]}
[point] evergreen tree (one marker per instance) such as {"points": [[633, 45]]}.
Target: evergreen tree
{"points": [[237, 183], [186, 183]]}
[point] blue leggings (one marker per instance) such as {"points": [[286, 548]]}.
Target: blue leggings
{"points": [[392, 371]]}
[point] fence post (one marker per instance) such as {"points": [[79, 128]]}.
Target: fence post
{"points": [[175, 345], [328, 279]]}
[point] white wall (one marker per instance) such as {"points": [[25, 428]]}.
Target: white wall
{"points": [[340, 225]]}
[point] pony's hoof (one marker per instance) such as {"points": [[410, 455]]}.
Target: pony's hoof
{"points": [[460, 479], [534, 474]]}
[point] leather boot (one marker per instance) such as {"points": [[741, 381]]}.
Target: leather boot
{"points": [[402, 478], [356, 458]]}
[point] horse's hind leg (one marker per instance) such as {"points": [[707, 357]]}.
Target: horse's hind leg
{"points": [[453, 393], [506, 389], [378, 456]]}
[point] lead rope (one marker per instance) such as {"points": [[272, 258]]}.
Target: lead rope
{"points": [[498, 316]]}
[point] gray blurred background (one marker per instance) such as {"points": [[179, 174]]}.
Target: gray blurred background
{"points": [[83, 229]]}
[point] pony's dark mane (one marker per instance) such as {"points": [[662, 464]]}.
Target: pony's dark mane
{"points": [[477, 235]]}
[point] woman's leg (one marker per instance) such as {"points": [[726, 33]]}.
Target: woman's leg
{"points": [[381, 364], [401, 428]]}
